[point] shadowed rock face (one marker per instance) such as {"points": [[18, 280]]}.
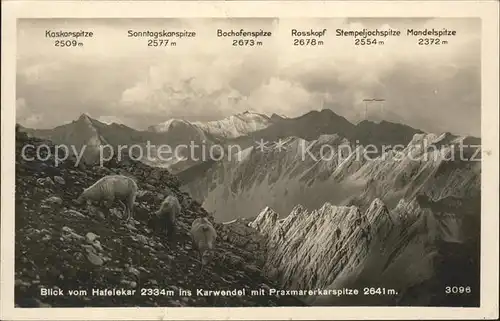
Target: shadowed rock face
{"points": [[415, 221], [416, 249], [332, 169], [61, 244]]}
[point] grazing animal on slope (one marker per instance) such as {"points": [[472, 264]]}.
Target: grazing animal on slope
{"points": [[203, 236], [167, 215], [110, 188]]}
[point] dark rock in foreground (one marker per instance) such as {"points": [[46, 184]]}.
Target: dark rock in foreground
{"points": [[61, 246]]}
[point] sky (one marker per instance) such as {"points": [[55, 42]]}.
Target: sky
{"points": [[114, 78]]}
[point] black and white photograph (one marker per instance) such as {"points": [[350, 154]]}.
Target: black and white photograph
{"points": [[241, 162]]}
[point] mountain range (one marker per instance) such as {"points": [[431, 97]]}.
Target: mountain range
{"points": [[406, 256], [241, 129], [231, 127], [340, 205], [299, 172], [397, 224], [91, 133]]}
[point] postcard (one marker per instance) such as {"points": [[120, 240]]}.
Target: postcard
{"points": [[249, 160]]}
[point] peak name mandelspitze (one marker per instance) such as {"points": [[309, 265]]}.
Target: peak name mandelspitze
{"points": [[431, 32]]}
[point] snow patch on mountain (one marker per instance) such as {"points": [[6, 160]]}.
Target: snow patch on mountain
{"points": [[230, 127], [235, 125]]}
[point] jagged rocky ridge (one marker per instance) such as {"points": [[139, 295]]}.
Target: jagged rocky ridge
{"points": [[59, 244], [417, 250], [407, 220], [333, 169]]}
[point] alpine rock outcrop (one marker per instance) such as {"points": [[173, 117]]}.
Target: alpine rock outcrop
{"points": [[333, 169], [392, 257]]}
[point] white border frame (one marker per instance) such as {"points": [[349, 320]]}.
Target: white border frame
{"points": [[486, 10]]}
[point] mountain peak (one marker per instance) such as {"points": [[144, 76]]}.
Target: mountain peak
{"points": [[170, 124], [322, 112], [248, 113], [277, 117], [84, 118]]}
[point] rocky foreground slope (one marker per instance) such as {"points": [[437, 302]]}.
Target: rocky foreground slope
{"points": [[62, 245]]}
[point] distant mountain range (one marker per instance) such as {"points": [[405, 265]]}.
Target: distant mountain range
{"points": [[400, 221], [275, 177], [313, 124], [283, 177], [231, 127], [89, 132], [242, 129], [340, 205]]}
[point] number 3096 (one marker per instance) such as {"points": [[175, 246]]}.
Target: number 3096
{"points": [[457, 289]]}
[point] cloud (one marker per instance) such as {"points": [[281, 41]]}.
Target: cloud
{"points": [[26, 115], [207, 78]]}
